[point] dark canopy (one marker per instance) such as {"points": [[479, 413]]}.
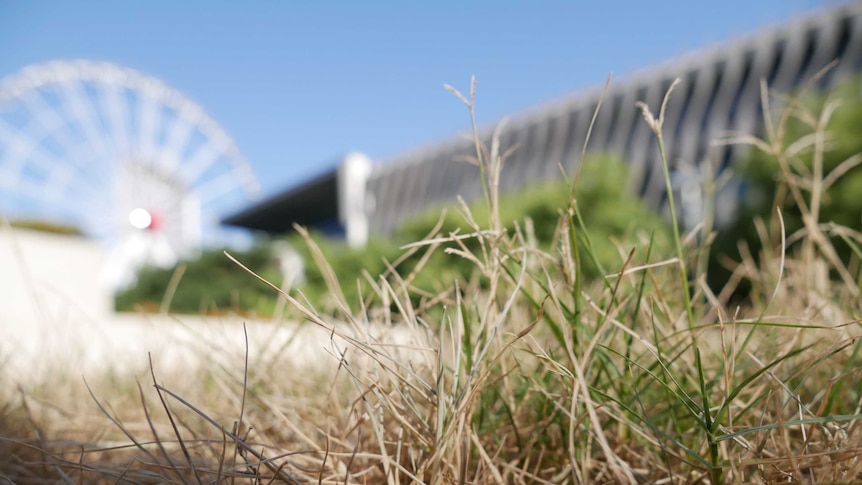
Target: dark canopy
{"points": [[314, 203]]}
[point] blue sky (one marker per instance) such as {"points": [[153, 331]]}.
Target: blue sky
{"points": [[298, 83]]}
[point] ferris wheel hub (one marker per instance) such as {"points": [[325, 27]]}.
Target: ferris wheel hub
{"points": [[140, 218]]}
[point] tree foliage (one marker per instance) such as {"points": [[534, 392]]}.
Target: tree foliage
{"points": [[837, 114]]}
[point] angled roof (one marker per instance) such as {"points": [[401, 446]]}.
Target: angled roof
{"points": [[311, 203]]}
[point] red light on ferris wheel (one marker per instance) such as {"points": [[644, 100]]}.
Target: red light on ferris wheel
{"points": [[156, 221], [141, 218]]}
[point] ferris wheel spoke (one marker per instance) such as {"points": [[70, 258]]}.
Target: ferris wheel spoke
{"points": [[7, 181], [76, 152], [97, 170], [49, 122], [16, 148], [45, 116], [147, 123], [178, 137], [45, 163], [216, 188], [77, 104], [21, 149], [199, 162], [54, 183], [34, 191], [116, 109], [54, 124]]}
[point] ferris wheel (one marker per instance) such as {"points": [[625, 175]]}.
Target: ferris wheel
{"points": [[120, 155]]}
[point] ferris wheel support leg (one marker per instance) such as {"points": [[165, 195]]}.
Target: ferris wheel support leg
{"points": [[192, 228]]}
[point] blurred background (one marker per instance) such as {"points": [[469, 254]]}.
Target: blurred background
{"points": [[146, 126]]}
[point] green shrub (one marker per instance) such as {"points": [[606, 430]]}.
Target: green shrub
{"points": [[210, 283]]}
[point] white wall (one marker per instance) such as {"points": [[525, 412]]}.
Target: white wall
{"points": [[49, 277]]}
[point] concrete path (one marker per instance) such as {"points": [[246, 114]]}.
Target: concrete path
{"points": [[121, 343]]}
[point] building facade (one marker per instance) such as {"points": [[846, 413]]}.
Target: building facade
{"points": [[718, 93]]}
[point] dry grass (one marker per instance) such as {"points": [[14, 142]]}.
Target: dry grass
{"points": [[527, 375]]}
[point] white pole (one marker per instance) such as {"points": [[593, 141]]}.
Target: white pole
{"points": [[352, 188]]}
